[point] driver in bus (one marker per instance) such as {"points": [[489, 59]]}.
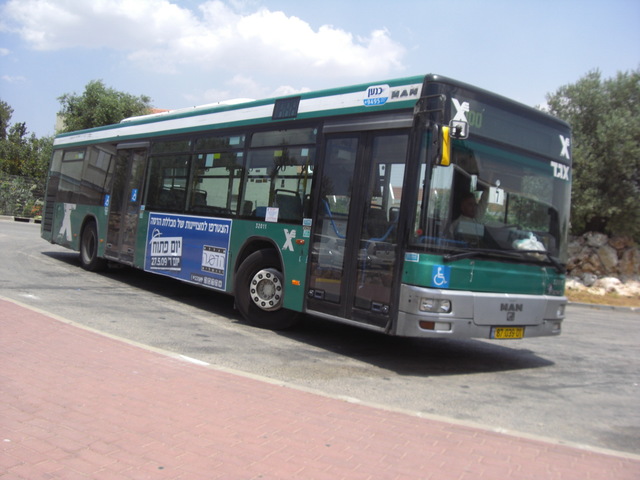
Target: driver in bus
{"points": [[468, 226], [468, 212]]}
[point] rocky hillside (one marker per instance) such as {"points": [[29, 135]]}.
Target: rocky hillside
{"points": [[604, 265]]}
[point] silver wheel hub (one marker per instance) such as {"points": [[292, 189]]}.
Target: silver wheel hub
{"points": [[266, 289]]}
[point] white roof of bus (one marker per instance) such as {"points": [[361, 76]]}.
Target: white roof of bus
{"points": [[388, 95]]}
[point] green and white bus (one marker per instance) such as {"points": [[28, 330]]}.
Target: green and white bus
{"points": [[344, 204]]}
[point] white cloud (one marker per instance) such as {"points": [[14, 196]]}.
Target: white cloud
{"points": [[119, 24], [4, 52], [240, 87], [284, 90], [162, 36], [13, 79]]}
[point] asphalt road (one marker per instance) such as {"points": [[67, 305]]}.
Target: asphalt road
{"points": [[582, 387]]}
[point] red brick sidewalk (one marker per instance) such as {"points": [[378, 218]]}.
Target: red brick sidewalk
{"points": [[79, 405]]}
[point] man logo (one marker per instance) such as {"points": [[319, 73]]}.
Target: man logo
{"points": [[511, 307], [403, 93]]}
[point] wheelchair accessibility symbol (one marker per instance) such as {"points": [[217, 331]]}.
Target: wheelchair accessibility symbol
{"points": [[440, 276]]}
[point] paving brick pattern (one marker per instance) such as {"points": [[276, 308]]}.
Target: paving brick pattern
{"points": [[75, 404]]}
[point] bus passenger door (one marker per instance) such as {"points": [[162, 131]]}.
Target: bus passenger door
{"points": [[354, 249], [124, 205]]}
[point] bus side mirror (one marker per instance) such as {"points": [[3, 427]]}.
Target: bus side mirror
{"points": [[445, 147], [457, 130]]}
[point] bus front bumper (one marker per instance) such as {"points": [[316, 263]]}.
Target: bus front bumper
{"points": [[439, 313]]}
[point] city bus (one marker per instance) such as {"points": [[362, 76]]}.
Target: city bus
{"points": [[345, 204]]}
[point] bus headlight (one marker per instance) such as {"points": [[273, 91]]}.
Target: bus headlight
{"points": [[435, 305]]}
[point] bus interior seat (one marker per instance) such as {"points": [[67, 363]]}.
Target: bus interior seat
{"points": [[171, 199], [289, 205], [394, 214], [247, 208], [199, 198], [376, 222]]}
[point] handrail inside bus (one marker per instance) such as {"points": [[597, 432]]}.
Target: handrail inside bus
{"points": [[333, 224]]}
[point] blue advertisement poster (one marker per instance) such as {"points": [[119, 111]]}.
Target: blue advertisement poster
{"points": [[195, 249]]}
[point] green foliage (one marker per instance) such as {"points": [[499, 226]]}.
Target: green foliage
{"points": [[24, 160], [605, 118], [100, 105], [5, 117], [20, 196]]}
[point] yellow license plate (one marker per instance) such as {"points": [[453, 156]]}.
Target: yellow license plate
{"points": [[507, 333]]}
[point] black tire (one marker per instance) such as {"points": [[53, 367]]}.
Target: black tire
{"points": [[89, 259], [259, 292]]}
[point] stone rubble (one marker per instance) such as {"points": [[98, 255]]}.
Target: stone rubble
{"points": [[602, 265]]}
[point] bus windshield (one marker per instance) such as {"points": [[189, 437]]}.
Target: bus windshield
{"points": [[495, 202]]}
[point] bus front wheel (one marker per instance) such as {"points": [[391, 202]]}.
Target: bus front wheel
{"points": [[259, 292], [89, 249]]}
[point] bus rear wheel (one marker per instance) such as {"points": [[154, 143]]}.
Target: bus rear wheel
{"points": [[89, 259], [259, 292]]}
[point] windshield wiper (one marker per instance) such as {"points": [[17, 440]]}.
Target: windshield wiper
{"points": [[452, 257], [560, 268]]}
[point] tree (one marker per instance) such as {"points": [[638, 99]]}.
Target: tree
{"points": [[5, 116], [100, 105], [24, 160], [605, 119], [21, 153]]}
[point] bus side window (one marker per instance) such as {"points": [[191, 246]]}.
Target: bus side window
{"points": [[280, 178], [166, 183], [97, 168], [258, 182], [216, 183], [289, 204], [71, 175]]}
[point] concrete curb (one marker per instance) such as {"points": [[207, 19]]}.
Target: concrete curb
{"points": [[10, 218], [598, 306]]}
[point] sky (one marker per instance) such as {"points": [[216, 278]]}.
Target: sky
{"points": [[183, 53]]}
